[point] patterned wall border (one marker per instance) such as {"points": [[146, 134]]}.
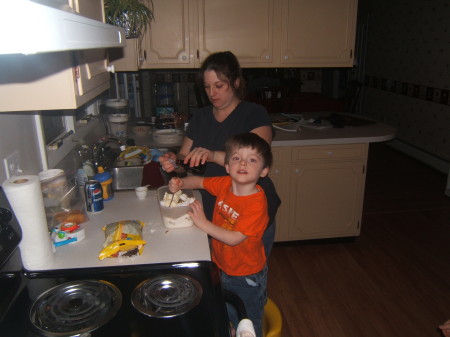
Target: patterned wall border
{"points": [[440, 96]]}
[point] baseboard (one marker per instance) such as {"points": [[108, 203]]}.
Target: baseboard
{"points": [[427, 158]]}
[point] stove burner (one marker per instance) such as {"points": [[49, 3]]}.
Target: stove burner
{"points": [[75, 308], [167, 295]]}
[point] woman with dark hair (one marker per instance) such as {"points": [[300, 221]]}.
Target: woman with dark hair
{"points": [[210, 127], [228, 115]]}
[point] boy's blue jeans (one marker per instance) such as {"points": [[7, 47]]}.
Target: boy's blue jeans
{"points": [[252, 291]]}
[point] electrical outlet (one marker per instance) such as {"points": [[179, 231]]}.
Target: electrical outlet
{"points": [[12, 164]]}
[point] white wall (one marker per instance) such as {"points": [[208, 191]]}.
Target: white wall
{"points": [[18, 132]]}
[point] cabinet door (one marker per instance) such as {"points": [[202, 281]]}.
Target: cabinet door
{"points": [[90, 66], [127, 58], [91, 74], [243, 27], [279, 173], [326, 200], [169, 41], [318, 33]]}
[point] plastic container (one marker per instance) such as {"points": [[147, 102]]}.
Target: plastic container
{"points": [[117, 106], [175, 216], [105, 179], [118, 125], [167, 136], [54, 188]]}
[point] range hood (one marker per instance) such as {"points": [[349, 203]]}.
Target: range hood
{"points": [[41, 26]]}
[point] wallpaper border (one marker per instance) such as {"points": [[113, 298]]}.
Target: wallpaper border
{"points": [[423, 92]]}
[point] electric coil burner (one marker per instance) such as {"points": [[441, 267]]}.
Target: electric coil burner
{"points": [[167, 296], [74, 308]]}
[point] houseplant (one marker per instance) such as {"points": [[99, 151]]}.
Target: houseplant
{"points": [[132, 15]]}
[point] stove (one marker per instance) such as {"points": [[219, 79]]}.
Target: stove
{"points": [[170, 299]]}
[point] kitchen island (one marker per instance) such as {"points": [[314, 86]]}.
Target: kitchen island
{"points": [[320, 176], [162, 245]]}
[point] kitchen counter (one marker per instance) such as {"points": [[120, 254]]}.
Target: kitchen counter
{"points": [[163, 245], [320, 174], [376, 132]]}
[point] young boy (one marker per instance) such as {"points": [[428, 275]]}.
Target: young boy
{"points": [[239, 220]]}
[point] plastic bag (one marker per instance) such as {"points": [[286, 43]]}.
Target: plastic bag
{"points": [[123, 238]]}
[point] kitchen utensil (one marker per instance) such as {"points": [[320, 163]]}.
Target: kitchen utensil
{"points": [[199, 169]]}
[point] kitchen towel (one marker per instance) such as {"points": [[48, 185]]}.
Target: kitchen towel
{"points": [[25, 197]]}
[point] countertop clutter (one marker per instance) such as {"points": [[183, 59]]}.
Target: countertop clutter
{"points": [[319, 134], [163, 245]]}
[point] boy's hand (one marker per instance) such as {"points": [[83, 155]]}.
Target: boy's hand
{"points": [[175, 184], [198, 214]]}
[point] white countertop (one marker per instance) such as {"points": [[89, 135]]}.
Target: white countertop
{"points": [[377, 132], [163, 245]]}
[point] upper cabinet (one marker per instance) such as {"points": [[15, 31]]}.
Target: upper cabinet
{"points": [[261, 33], [60, 80], [318, 33], [247, 28], [170, 42]]}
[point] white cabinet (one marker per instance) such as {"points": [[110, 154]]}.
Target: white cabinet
{"points": [[170, 41], [318, 33], [49, 81], [244, 27], [322, 190], [261, 33]]}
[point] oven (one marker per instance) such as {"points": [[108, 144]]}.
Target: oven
{"points": [[170, 299]]}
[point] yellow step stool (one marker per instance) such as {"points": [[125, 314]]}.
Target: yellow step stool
{"points": [[272, 320]]}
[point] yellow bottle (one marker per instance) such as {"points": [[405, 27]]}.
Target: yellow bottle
{"points": [[105, 179]]}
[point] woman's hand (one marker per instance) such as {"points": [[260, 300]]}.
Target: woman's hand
{"points": [[198, 156], [175, 184], [167, 161]]}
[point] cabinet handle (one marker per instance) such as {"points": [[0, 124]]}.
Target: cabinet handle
{"points": [[184, 57], [267, 57], [330, 153], [286, 57], [297, 171], [145, 55]]}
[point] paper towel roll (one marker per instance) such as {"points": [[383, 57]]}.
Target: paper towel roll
{"points": [[25, 197]]}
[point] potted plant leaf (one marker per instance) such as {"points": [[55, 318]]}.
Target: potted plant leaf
{"points": [[132, 15]]}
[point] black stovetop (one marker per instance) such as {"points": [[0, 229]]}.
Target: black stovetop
{"points": [[209, 318]]}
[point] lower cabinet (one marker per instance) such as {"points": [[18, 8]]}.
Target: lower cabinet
{"points": [[322, 190]]}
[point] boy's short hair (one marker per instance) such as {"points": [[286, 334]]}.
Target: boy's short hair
{"points": [[253, 141]]}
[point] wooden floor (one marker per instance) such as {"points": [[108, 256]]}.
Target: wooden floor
{"points": [[392, 281]]}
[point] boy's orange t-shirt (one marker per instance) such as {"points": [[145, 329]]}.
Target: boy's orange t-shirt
{"points": [[245, 214]]}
